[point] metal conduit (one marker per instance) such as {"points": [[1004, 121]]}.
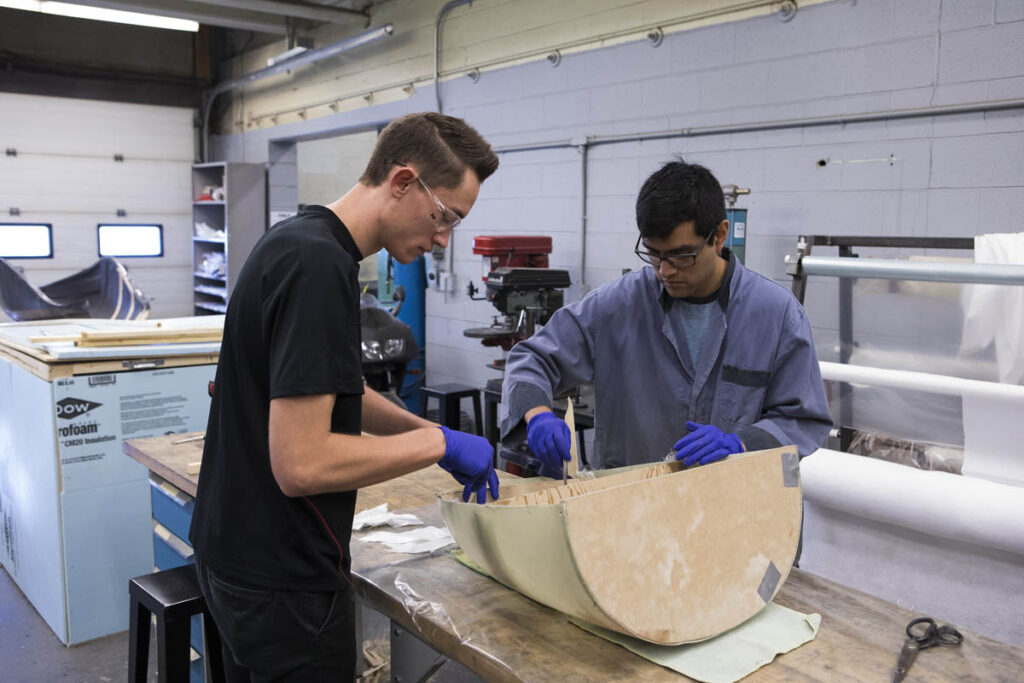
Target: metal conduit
{"points": [[437, 46], [894, 269], [755, 126], [585, 142], [302, 60], [584, 151]]}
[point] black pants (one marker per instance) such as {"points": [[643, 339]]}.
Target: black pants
{"points": [[271, 635]]}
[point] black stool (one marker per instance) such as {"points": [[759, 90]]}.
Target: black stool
{"points": [[448, 398], [173, 596]]}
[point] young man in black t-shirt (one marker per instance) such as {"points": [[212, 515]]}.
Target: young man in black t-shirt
{"points": [[284, 453]]}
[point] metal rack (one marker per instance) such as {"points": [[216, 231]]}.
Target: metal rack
{"points": [[241, 219], [848, 266]]}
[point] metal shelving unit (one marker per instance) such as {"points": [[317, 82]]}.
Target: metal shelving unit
{"points": [[238, 220]]}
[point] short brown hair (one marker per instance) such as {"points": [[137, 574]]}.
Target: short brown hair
{"points": [[441, 146]]}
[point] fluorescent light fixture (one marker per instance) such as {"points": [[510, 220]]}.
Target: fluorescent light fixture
{"points": [[130, 240], [26, 240], [285, 56], [67, 9]]}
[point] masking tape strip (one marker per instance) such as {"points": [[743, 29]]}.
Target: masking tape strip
{"points": [[790, 469], [769, 582]]}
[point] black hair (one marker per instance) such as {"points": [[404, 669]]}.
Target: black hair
{"points": [[677, 193]]}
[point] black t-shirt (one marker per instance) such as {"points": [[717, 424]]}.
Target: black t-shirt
{"points": [[292, 328]]}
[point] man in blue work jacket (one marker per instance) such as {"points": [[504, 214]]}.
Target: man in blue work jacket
{"points": [[695, 354]]}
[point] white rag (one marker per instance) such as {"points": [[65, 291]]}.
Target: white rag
{"points": [[379, 516], [423, 540]]}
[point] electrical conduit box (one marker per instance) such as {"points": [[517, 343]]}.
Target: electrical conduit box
{"points": [[736, 241]]}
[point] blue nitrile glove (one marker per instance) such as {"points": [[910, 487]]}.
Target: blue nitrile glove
{"points": [[549, 439], [704, 444], [470, 459]]}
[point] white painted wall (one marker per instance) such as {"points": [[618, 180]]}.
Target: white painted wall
{"points": [[953, 176], [487, 34], [328, 168], [65, 174]]}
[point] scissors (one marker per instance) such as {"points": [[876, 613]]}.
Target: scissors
{"points": [[922, 634]]}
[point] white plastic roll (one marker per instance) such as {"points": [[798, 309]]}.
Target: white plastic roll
{"points": [[921, 381], [937, 503]]}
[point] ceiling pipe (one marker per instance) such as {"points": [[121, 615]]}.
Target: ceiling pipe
{"points": [[449, 6], [301, 60], [779, 124]]}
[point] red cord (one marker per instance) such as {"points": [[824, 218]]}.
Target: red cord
{"points": [[341, 553]]}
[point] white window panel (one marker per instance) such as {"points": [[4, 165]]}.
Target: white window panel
{"points": [[130, 240], [26, 240]]}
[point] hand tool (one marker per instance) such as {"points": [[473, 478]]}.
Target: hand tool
{"points": [[922, 634]]}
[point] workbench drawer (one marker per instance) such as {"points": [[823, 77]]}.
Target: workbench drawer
{"points": [[195, 670], [166, 556], [172, 507], [169, 551]]}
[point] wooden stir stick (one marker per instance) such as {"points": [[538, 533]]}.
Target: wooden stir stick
{"points": [[572, 467]]}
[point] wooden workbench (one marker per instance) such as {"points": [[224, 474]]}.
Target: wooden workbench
{"points": [[504, 636]]}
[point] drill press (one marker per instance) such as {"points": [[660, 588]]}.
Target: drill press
{"points": [[519, 284]]}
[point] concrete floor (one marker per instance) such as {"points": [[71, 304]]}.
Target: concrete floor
{"points": [[31, 653]]}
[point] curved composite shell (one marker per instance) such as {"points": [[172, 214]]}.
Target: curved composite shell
{"points": [[656, 552]]}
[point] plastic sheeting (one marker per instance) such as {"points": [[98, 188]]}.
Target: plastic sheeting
{"points": [[992, 438], [899, 325], [916, 454], [993, 314]]}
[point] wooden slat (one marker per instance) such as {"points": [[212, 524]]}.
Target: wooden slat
{"points": [[140, 337]]}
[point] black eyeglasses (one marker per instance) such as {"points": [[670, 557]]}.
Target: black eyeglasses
{"points": [[677, 260]]}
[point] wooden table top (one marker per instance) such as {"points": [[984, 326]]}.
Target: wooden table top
{"points": [[504, 636]]}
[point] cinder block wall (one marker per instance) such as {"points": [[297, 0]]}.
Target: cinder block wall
{"points": [[931, 176]]}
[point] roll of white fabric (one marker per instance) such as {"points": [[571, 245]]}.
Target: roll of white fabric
{"points": [[937, 503], [921, 381]]}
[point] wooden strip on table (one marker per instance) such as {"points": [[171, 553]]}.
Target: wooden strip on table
{"points": [[149, 336]]}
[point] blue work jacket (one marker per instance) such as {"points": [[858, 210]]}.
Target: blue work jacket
{"points": [[757, 372]]}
